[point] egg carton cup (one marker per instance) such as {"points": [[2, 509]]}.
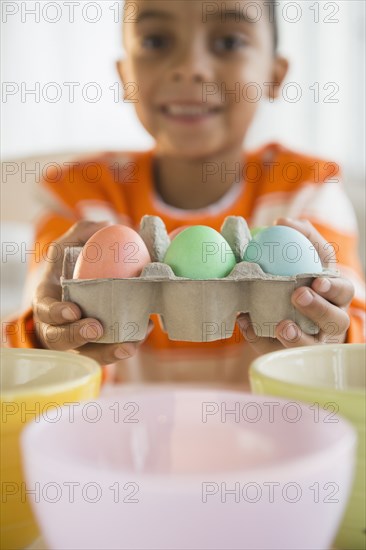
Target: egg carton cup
{"points": [[189, 310]]}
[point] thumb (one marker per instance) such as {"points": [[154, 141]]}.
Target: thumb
{"points": [[81, 231]]}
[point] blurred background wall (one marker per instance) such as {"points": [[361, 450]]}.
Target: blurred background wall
{"points": [[322, 112]]}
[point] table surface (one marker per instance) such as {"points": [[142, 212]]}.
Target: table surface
{"points": [[38, 544]]}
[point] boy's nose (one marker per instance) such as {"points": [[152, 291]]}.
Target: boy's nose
{"points": [[192, 64], [181, 75]]}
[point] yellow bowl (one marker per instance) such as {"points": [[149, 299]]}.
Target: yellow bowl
{"points": [[331, 377], [33, 383]]}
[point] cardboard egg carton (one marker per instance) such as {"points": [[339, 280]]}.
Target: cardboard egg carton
{"points": [[189, 310]]}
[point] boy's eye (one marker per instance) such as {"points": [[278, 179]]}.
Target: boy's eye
{"points": [[229, 43], [154, 42]]}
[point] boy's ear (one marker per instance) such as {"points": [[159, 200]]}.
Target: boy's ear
{"points": [[280, 70], [120, 66]]}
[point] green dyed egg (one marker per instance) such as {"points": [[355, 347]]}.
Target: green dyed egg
{"points": [[200, 252]]}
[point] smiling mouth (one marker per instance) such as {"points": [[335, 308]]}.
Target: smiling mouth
{"points": [[189, 113]]}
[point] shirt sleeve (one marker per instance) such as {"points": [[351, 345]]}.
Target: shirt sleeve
{"points": [[302, 187], [329, 209], [85, 190]]}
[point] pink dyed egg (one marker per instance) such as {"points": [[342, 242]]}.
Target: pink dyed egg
{"points": [[115, 251]]}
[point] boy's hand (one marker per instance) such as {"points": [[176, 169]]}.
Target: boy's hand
{"points": [[325, 303], [59, 325]]}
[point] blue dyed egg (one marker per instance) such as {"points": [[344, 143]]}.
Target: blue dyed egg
{"points": [[282, 250]]}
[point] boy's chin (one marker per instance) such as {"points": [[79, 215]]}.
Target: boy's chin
{"points": [[189, 149]]}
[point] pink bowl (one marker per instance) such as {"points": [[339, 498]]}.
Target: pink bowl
{"points": [[193, 469]]}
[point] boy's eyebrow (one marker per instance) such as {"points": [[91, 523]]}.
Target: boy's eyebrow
{"points": [[230, 14], [153, 14], [222, 15]]}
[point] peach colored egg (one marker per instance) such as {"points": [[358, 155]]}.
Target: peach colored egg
{"points": [[116, 251], [178, 230]]}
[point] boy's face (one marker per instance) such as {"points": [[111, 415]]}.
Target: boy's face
{"points": [[198, 68]]}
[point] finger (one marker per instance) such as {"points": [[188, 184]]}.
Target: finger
{"points": [[47, 303], [80, 232], [324, 249], [259, 343], [338, 291], [330, 318], [106, 354], [77, 235], [291, 336], [70, 336], [53, 312]]}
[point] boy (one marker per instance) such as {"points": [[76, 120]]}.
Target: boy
{"points": [[191, 65]]}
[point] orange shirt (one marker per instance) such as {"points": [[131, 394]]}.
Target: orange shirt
{"points": [[275, 182]]}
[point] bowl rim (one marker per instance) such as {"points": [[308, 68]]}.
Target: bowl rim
{"points": [[255, 370], [91, 367], [315, 460]]}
